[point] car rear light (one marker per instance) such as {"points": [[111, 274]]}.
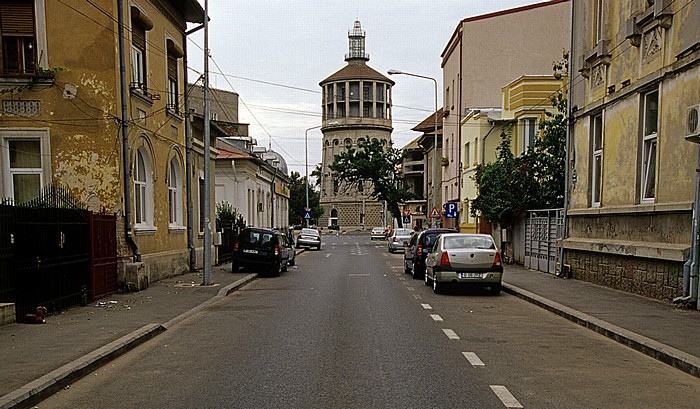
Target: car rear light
{"points": [[394, 240], [419, 250], [445, 260], [235, 246], [277, 249], [497, 259]]}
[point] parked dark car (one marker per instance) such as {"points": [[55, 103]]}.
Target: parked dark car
{"points": [[418, 248], [262, 250]]}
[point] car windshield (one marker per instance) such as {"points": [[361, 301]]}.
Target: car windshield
{"points": [[310, 232], [468, 242], [402, 232]]}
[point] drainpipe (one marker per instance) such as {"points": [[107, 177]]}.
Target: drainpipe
{"points": [[690, 268], [125, 136], [569, 136], [188, 158], [272, 198]]}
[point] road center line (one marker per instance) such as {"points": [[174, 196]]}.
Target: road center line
{"points": [[410, 288], [473, 359], [426, 306], [358, 275], [417, 296], [436, 317], [450, 334], [505, 396]]}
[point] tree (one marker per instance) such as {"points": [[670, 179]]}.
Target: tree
{"points": [[372, 162], [297, 199]]}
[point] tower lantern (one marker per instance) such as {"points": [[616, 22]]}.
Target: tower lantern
{"points": [[356, 38]]}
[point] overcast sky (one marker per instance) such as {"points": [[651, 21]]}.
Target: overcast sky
{"points": [[273, 53]]}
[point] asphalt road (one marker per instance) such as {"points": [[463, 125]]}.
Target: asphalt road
{"points": [[348, 329]]}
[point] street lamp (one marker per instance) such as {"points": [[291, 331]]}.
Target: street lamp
{"points": [[435, 142], [306, 166]]}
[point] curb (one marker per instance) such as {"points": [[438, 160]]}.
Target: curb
{"points": [[42, 388], [671, 356]]}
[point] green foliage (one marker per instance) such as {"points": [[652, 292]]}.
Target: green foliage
{"points": [[226, 211], [297, 199], [40, 73], [373, 162]]}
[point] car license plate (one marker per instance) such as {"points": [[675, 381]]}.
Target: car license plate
{"points": [[470, 275], [250, 251]]}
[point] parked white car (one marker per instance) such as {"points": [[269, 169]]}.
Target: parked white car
{"points": [[464, 259]]}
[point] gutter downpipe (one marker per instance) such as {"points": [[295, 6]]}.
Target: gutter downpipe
{"points": [[569, 135], [125, 136], [188, 158], [690, 267]]}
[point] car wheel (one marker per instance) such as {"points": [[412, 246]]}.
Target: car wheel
{"points": [[426, 279], [298, 246], [234, 267], [284, 267], [318, 247], [277, 271], [293, 262], [406, 269], [438, 287], [495, 289], [417, 275]]}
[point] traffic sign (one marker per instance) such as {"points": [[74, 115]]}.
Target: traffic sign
{"points": [[435, 213], [405, 220], [406, 212], [307, 214], [451, 210]]}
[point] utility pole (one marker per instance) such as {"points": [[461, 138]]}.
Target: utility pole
{"points": [[207, 176]]}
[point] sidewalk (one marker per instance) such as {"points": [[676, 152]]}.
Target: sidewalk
{"points": [[658, 329], [38, 360]]}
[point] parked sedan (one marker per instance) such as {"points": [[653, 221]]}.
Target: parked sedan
{"points": [[464, 259], [399, 240], [378, 233], [309, 238]]}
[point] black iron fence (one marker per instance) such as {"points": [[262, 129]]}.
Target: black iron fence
{"points": [[49, 249]]}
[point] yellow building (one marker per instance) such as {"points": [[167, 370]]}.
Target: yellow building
{"points": [[524, 105], [633, 176], [63, 118]]}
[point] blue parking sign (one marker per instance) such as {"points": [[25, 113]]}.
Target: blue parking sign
{"points": [[451, 211]]}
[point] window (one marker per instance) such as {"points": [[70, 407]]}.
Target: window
{"points": [[174, 54], [202, 214], [597, 165], [143, 191], [175, 193], [139, 25], [529, 134], [367, 91], [466, 155], [19, 45], [649, 138], [598, 20], [25, 168]]}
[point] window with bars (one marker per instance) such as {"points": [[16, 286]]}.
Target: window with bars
{"points": [[17, 28]]}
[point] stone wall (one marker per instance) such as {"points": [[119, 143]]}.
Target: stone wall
{"points": [[660, 279]]}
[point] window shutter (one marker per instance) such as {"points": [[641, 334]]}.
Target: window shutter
{"points": [[138, 37], [172, 66], [17, 17]]}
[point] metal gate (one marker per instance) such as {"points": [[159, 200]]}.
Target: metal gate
{"points": [[542, 230], [7, 254]]}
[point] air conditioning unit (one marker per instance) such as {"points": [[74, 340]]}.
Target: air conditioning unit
{"points": [[692, 124]]}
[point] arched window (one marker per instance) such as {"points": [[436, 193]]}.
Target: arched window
{"points": [[143, 191], [335, 142], [348, 142], [328, 143], [175, 193]]}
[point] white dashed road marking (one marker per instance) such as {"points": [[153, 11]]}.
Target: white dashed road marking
{"points": [[436, 317], [450, 334], [328, 255], [417, 296], [358, 275], [505, 396], [473, 359], [426, 306]]}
